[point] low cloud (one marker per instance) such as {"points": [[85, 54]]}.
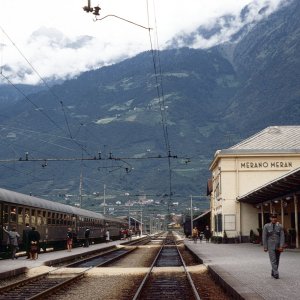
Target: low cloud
{"points": [[58, 56], [227, 28]]}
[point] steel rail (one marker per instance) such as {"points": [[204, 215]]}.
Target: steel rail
{"points": [[20, 284], [188, 275], [97, 256], [137, 294], [58, 286]]}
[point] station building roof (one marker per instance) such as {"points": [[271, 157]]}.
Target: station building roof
{"points": [[281, 187], [271, 140]]}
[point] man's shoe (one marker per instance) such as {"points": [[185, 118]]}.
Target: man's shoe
{"points": [[276, 276]]}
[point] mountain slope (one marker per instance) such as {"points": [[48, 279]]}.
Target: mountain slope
{"points": [[212, 99]]}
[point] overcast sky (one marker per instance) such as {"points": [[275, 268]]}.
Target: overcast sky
{"points": [[60, 40]]}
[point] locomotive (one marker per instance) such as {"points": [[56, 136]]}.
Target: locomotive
{"points": [[52, 220]]}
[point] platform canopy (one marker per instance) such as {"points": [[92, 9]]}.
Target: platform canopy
{"points": [[277, 189], [203, 215]]}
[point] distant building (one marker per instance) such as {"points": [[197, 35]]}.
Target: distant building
{"points": [[241, 188]]}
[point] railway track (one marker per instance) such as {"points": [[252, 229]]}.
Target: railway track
{"points": [[38, 287], [100, 260], [43, 285], [167, 285]]}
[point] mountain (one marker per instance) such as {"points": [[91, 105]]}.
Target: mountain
{"points": [[268, 60], [209, 98]]}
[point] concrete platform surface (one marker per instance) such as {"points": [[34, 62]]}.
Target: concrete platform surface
{"points": [[246, 267]]}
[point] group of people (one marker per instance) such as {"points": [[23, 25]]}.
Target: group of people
{"points": [[196, 234], [273, 240], [128, 233], [31, 239], [71, 236]]}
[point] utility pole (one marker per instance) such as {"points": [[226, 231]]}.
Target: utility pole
{"points": [[192, 210], [104, 204], [80, 190], [142, 221], [191, 214], [129, 217]]}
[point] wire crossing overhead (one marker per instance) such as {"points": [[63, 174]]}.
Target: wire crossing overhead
{"points": [[128, 167]]}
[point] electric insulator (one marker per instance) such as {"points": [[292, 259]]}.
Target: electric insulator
{"points": [[96, 11]]}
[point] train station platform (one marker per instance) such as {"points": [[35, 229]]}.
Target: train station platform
{"points": [[245, 270], [9, 267]]}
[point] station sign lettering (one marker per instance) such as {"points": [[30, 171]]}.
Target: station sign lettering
{"points": [[266, 164]]}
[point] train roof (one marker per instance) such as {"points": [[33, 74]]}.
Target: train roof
{"points": [[26, 200]]}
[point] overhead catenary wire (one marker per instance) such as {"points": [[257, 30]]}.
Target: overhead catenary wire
{"points": [[161, 98]]}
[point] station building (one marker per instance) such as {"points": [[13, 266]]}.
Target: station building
{"points": [[254, 178]]}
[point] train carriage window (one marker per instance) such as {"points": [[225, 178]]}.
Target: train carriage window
{"points": [[61, 219], [39, 218], [13, 214], [68, 220], [53, 219], [27, 215], [65, 219], [20, 215], [5, 214], [57, 218], [33, 217], [49, 218], [44, 218]]}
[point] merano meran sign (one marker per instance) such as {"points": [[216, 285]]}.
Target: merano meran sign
{"points": [[266, 164]]}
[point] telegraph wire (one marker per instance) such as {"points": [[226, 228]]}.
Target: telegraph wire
{"points": [[30, 101], [49, 88], [45, 83]]}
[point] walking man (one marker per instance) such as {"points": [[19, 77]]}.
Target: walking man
{"points": [[273, 241]]}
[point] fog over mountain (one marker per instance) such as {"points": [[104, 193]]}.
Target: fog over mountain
{"points": [[58, 55]]}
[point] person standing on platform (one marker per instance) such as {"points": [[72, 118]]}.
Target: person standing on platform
{"points": [[195, 234], [87, 237], [207, 233], [13, 238], [69, 239], [107, 236], [26, 243], [201, 236], [34, 241], [273, 241]]}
